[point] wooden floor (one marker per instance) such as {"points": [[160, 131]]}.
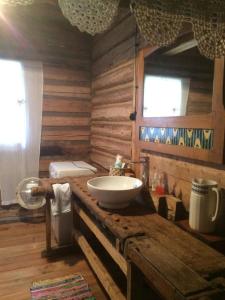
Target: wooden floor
{"points": [[21, 262]]}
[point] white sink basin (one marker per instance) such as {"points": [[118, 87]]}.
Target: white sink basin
{"points": [[114, 191]]}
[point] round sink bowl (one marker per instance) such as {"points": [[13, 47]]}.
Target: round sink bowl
{"points": [[114, 191]]}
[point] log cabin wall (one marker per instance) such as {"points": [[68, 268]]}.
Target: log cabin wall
{"points": [[113, 55], [113, 94], [66, 115], [40, 32], [43, 34]]}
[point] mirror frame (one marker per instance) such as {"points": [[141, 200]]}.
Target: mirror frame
{"points": [[213, 120]]}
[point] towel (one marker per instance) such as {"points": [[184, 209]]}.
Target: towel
{"points": [[62, 202]]}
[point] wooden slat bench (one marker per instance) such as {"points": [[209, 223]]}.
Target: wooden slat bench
{"points": [[175, 264]]}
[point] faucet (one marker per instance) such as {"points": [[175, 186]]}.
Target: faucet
{"points": [[145, 172], [145, 196]]}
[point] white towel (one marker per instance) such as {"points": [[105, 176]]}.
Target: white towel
{"points": [[62, 202]]}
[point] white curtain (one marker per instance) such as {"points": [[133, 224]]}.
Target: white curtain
{"points": [[20, 128]]}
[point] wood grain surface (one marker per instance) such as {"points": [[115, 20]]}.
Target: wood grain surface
{"points": [[156, 246], [112, 90], [137, 220], [21, 262]]}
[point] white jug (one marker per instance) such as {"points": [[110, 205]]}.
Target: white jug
{"points": [[204, 205]]}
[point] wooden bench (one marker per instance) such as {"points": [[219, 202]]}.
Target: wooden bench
{"points": [[166, 274], [173, 263]]}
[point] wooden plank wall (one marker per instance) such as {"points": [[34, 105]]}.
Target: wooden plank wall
{"points": [[112, 91], [200, 97], [66, 115], [179, 174], [40, 32]]}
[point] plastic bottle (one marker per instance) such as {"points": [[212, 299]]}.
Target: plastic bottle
{"points": [[119, 161], [160, 188]]}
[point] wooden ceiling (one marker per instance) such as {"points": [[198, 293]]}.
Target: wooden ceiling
{"points": [[42, 11], [46, 11], [40, 31]]}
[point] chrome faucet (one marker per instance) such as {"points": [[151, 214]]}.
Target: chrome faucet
{"points": [[145, 196], [145, 171]]}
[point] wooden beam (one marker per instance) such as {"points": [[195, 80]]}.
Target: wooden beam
{"points": [[48, 226], [181, 47], [116, 256], [160, 269], [217, 152], [98, 267], [135, 281]]}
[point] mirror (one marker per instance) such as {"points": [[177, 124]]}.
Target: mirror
{"points": [[178, 81]]}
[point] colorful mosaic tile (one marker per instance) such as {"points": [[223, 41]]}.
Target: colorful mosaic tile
{"points": [[187, 137]]}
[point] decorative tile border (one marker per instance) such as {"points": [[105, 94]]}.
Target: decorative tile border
{"points": [[187, 137]]}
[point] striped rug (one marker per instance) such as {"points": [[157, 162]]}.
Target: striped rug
{"points": [[72, 287]]}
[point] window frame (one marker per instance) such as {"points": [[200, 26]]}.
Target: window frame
{"points": [[214, 120]]}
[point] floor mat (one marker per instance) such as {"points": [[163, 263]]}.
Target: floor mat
{"points": [[72, 287]]}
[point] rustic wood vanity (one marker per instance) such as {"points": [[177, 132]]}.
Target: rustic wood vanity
{"points": [[153, 258]]}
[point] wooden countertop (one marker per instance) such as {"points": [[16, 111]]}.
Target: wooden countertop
{"points": [[140, 221], [147, 239]]}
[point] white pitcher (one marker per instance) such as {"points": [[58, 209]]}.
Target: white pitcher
{"points": [[204, 205]]}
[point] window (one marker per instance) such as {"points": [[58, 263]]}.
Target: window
{"points": [[165, 96], [12, 104]]}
